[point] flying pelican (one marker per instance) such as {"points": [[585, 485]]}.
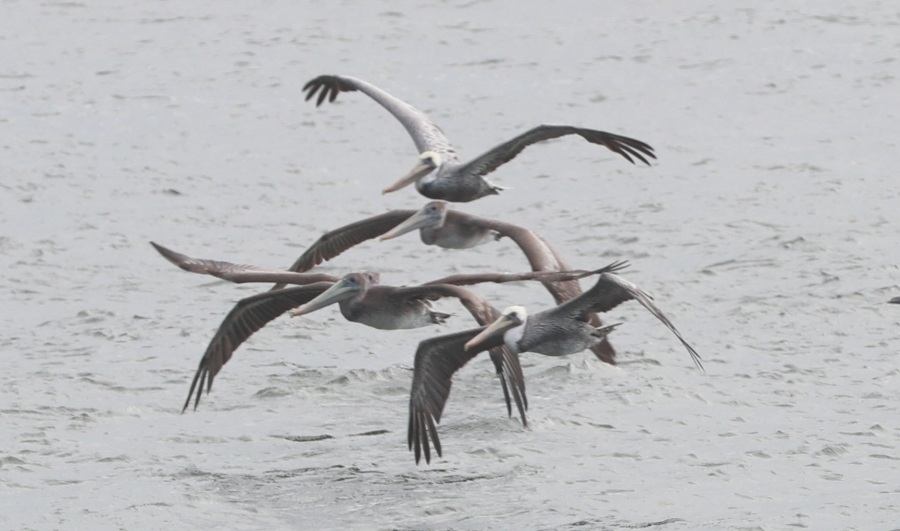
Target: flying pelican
{"points": [[555, 332], [450, 229], [399, 308], [362, 299], [456, 181]]}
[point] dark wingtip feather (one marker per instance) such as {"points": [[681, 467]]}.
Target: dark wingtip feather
{"points": [[625, 154], [435, 440], [694, 355], [196, 379], [409, 431], [169, 254], [503, 385], [423, 435], [637, 155], [197, 398], [322, 95]]}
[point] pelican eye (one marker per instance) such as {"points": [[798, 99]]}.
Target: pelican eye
{"points": [[514, 317]]}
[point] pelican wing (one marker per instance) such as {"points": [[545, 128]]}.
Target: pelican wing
{"points": [[506, 362], [437, 359], [467, 279], [426, 135], [505, 152], [541, 257], [238, 273], [611, 291], [248, 316], [337, 241]]}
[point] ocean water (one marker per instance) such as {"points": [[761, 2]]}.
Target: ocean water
{"points": [[766, 231]]}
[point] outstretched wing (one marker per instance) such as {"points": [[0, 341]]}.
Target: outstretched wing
{"points": [[540, 255], [337, 241], [611, 291], [247, 317], [238, 273], [426, 135], [506, 363], [437, 359], [505, 152], [466, 279]]}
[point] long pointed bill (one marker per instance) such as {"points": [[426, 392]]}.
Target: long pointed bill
{"points": [[418, 220], [336, 293], [421, 169], [502, 324]]}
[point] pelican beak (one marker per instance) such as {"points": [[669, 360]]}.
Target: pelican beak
{"points": [[422, 168], [339, 291], [501, 325], [419, 220]]}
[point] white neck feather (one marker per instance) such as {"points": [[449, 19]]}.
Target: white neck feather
{"points": [[512, 336]]}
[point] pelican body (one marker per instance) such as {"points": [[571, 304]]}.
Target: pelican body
{"points": [[544, 334], [438, 172], [363, 301]]}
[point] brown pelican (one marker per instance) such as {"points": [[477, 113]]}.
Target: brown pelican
{"points": [[555, 332], [450, 229], [362, 299], [453, 180], [384, 307]]}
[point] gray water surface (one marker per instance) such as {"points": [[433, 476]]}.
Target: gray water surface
{"points": [[767, 232]]}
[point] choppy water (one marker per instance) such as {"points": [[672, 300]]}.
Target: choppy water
{"points": [[767, 231]]}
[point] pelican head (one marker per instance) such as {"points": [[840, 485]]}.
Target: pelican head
{"points": [[430, 216], [343, 289], [428, 161], [513, 318]]}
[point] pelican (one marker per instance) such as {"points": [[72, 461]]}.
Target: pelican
{"points": [[398, 308], [555, 332], [362, 299], [438, 173], [451, 229]]}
